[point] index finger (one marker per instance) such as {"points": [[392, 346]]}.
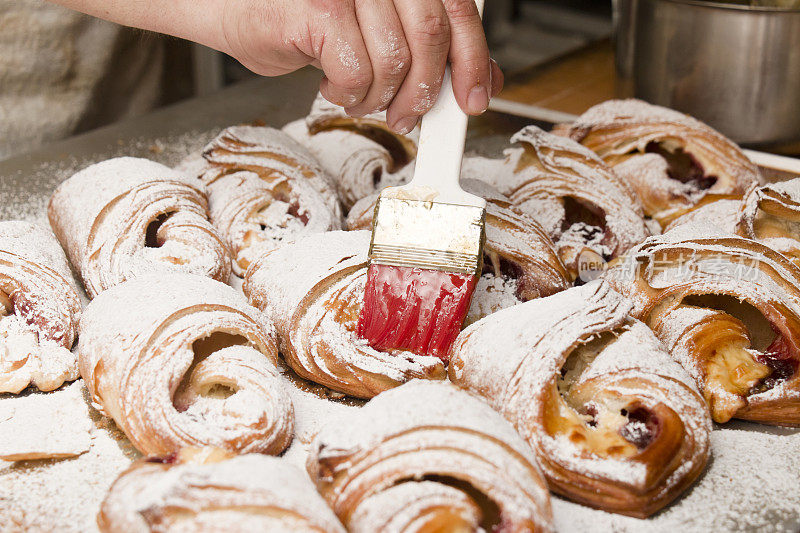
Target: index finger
{"points": [[469, 56]]}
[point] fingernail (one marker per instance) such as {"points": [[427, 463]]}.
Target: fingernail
{"points": [[478, 99], [355, 114], [405, 125]]}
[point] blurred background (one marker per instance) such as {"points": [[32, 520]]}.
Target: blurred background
{"points": [[734, 64]]}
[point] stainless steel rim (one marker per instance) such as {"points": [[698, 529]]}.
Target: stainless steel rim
{"points": [[732, 7]]}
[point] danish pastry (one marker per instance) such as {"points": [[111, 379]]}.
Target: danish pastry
{"points": [[210, 490], [180, 360], [685, 161], [265, 189], [615, 423], [579, 201], [313, 291], [362, 154], [126, 216], [428, 457], [728, 309], [39, 310]]}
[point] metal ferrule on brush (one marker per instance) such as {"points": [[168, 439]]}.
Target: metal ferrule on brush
{"points": [[428, 235]]}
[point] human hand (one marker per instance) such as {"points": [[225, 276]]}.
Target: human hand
{"points": [[376, 54]]}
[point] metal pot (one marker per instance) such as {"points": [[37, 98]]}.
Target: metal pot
{"points": [[735, 67]]}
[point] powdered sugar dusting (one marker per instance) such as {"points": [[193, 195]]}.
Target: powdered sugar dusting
{"points": [[535, 340], [249, 492], [102, 216], [429, 429], [35, 495], [744, 489], [206, 358], [43, 426], [39, 310], [492, 293], [315, 304]]}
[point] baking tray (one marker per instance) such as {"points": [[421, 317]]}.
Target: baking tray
{"points": [[753, 479]]}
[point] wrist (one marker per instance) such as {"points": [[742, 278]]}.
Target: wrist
{"points": [[201, 22]]}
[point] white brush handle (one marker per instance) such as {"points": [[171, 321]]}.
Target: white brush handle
{"points": [[441, 147]]}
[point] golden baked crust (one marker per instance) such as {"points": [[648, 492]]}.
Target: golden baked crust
{"points": [[614, 422], [687, 161], [427, 453], [181, 360], [265, 189], [313, 290], [728, 309]]}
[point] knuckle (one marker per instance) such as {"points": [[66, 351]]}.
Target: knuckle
{"points": [[397, 61], [434, 28], [355, 79], [459, 10], [331, 8]]}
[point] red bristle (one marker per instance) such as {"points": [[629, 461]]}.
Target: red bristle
{"points": [[413, 309]]}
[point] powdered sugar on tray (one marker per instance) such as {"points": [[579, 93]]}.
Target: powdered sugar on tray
{"points": [[26, 197], [750, 485], [64, 494], [41, 426]]}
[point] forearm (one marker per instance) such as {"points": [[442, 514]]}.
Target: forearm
{"points": [[200, 21]]}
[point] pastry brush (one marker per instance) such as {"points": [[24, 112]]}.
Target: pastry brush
{"points": [[426, 251]]}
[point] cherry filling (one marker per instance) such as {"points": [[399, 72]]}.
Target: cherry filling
{"points": [[683, 167], [781, 356], [501, 267], [588, 220], [642, 427], [294, 209], [772, 348], [168, 459], [151, 239]]}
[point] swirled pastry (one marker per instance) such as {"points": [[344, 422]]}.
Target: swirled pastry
{"points": [[583, 206], [39, 310], [771, 215], [615, 423], [687, 162], [126, 216], [362, 154], [313, 291], [428, 457], [265, 189], [520, 262], [728, 309], [180, 360], [724, 214], [207, 489]]}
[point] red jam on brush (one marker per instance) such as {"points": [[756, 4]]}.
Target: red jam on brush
{"points": [[413, 309]]}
